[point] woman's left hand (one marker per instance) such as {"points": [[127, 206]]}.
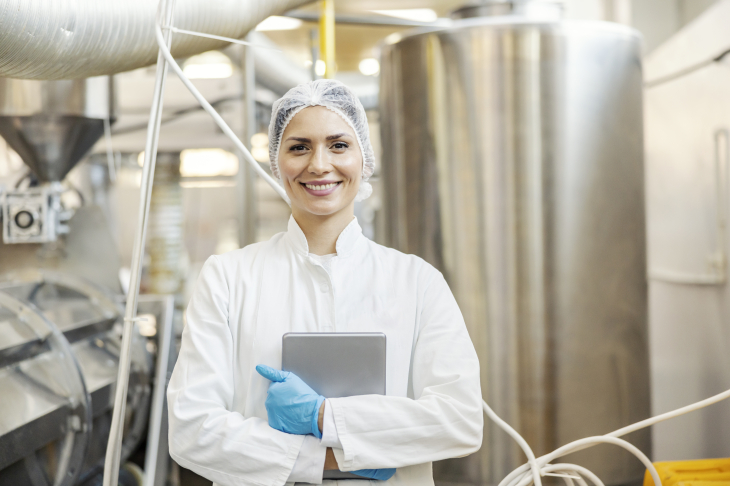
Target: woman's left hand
{"points": [[377, 474], [292, 405]]}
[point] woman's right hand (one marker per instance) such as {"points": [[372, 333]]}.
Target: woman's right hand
{"points": [[292, 406]]}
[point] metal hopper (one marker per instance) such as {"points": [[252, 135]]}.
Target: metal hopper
{"points": [[53, 124]]}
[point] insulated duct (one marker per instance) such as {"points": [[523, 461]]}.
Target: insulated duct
{"points": [[52, 39]]}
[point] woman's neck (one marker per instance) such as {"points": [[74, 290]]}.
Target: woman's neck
{"points": [[322, 231]]}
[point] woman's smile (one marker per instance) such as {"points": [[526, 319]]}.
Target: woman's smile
{"points": [[320, 188]]}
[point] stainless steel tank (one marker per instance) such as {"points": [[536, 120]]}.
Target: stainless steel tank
{"points": [[512, 160]]}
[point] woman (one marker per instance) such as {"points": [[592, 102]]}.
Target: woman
{"points": [[321, 275]]}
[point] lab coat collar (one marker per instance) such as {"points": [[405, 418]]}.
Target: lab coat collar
{"points": [[344, 245]]}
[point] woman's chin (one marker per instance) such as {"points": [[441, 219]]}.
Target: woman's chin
{"points": [[322, 207]]}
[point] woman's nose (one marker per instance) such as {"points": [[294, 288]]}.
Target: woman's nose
{"points": [[319, 162]]}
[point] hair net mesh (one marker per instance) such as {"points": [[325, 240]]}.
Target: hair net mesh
{"points": [[335, 96]]}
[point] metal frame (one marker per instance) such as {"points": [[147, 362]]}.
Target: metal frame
{"points": [[163, 306]]}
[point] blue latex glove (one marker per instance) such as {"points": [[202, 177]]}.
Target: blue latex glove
{"points": [[377, 474], [293, 407]]}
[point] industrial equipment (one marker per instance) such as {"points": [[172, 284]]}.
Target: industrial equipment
{"points": [[51, 125], [60, 329], [512, 160], [59, 353]]}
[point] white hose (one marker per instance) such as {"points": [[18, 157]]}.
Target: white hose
{"points": [[525, 474]]}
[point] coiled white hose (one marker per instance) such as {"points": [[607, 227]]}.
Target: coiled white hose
{"points": [[531, 472]]}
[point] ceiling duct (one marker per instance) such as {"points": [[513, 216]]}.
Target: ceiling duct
{"points": [[69, 45], [48, 39]]}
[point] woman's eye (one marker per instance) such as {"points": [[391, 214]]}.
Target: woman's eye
{"points": [[340, 145], [297, 148]]}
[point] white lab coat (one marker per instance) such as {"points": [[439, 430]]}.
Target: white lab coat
{"points": [[243, 303]]}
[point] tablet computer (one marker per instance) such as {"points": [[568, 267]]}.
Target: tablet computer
{"points": [[339, 364]]}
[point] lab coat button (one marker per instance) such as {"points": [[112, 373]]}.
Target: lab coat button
{"points": [[324, 288]]}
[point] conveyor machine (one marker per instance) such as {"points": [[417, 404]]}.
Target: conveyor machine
{"points": [[59, 348]]}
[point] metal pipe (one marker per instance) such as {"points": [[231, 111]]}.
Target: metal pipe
{"points": [[114, 446], [376, 20], [246, 178], [164, 343]]}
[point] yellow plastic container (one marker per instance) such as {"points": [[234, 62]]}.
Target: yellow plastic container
{"points": [[705, 472]]}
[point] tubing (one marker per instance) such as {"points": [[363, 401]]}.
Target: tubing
{"points": [[165, 51], [525, 474], [114, 446], [52, 39]]}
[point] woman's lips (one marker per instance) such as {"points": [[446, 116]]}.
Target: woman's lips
{"points": [[321, 188]]}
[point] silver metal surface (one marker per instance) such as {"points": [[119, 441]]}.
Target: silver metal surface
{"points": [[246, 197], [88, 251], [157, 457], [52, 124], [47, 39], [544, 9], [45, 413], [50, 321], [512, 159]]}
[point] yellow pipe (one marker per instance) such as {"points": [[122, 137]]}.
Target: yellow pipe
{"points": [[327, 37]]}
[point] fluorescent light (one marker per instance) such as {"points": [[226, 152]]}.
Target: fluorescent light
{"points": [[207, 163], [369, 66], [414, 14], [279, 23], [208, 65], [320, 67], [260, 147], [393, 38], [260, 140], [260, 154]]}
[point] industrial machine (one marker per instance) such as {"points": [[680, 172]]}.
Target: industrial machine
{"points": [[512, 161], [59, 352], [51, 125], [60, 301]]}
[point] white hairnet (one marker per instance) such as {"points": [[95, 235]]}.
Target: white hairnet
{"points": [[335, 96]]}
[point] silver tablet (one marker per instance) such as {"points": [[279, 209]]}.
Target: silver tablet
{"points": [[341, 364], [337, 364]]}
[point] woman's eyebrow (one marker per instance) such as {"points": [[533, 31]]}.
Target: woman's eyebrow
{"points": [[298, 139], [337, 135]]}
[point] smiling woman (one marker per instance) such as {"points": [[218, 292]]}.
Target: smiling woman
{"points": [[234, 417]]}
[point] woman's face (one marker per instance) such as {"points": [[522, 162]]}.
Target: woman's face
{"points": [[320, 162]]}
